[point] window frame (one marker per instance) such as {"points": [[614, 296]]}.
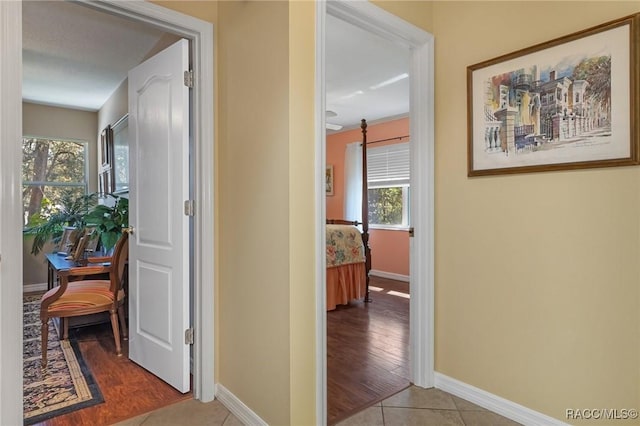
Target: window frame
{"points": [[405, 185], [84, 185]]}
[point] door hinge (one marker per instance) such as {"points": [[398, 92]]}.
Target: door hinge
{"points": [[411, 232], [188, 336], [188, 78], [189, 208]]}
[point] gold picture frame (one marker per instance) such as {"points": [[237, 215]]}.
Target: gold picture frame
{"points": [[570, 103]]}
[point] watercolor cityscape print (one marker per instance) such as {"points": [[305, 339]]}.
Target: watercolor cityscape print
{"points": [[544, 107]]}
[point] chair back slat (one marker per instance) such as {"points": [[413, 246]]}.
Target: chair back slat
{"points": [[118, 263]]}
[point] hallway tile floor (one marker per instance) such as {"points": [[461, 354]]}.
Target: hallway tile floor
{"points": [[425, 407], [413, 406]]}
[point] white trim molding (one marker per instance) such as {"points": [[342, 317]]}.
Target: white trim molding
{"points": [[389, 275], [320, 217], [237, 407], [504, 407], [421, 246], [10, 212]]}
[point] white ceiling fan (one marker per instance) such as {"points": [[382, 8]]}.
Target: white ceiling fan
{"points": [[331, 126]]}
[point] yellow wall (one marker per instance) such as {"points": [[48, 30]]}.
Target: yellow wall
{"points": [[253, 321], [546, 310], [302, 209], [256, 357], [264, 94]]}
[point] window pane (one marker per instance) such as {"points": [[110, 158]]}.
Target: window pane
{"points": [[385, 206], [40, 202], [45, 160], [51, 163]]}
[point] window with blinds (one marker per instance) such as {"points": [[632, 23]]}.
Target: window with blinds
{"points": [[388, 178]]}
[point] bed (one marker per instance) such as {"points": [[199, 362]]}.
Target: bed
{"points": [[348, 252]]}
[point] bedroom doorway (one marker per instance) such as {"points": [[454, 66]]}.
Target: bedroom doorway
{"points": [[373, 337], [371, 18], [201, 34]]}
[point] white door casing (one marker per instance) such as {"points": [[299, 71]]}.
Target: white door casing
{"points": [[159, 247]]}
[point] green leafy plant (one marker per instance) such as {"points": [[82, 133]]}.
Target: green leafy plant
{"points": [[71, 211], [109, 220]]}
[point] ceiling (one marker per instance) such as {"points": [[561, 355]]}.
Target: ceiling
{"points": [[76, 57], [366, 75]]}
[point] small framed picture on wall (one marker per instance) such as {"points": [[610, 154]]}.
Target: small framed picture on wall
{"points": [[329, 180], [106, 146]]}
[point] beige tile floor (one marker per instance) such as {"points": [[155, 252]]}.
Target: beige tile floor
{"points": [[426, 407], [413, 406]]}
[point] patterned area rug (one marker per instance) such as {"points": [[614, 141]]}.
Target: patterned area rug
{"points": [[65, 385]]}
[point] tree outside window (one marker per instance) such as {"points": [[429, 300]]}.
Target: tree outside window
{"points": [[52, 171], [389, 206], [388, 178]]}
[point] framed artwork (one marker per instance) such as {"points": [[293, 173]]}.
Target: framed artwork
{"points": [[67, 240], [329, 180], [121, 155], [568, 103], [105, 182], [79, 250], [106, 147], [93, 237]]}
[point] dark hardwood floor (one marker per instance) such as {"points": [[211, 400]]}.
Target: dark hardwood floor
{"points": [[128, 389], [367, 350], [367, 361]]}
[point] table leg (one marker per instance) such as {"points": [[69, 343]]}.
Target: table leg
{"points": [[50, 276]]}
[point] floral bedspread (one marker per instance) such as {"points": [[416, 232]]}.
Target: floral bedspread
{"points": [[344, 245]]}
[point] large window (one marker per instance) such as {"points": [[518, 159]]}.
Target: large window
{"points": [[388, 177], [53, 171]]}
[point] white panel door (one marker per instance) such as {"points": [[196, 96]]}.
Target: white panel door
{"points": [[159, 245]]}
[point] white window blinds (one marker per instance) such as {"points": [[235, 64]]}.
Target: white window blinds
{"points": [[388, 165]]}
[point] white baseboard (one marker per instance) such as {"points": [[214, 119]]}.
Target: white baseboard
{"points": [[499, 405], [390, 275], [32, 288], [237, 407]]}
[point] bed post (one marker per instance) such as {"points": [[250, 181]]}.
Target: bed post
{"points": [[365, 208]]}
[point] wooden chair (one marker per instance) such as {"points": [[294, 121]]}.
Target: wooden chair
{"points": [[84, 297]]}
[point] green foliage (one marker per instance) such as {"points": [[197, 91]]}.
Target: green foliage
{"points": [[385, 206], [47, 209], [51, 169], [596, 71], [70, 212], [109, 220], [78, 212]]}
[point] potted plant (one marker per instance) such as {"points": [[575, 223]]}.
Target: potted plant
{"points": [[49, 224], [109, 221]]}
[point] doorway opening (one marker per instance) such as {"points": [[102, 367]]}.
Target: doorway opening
{"points": [[371, 18], [368, 343], [200, 34]]}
